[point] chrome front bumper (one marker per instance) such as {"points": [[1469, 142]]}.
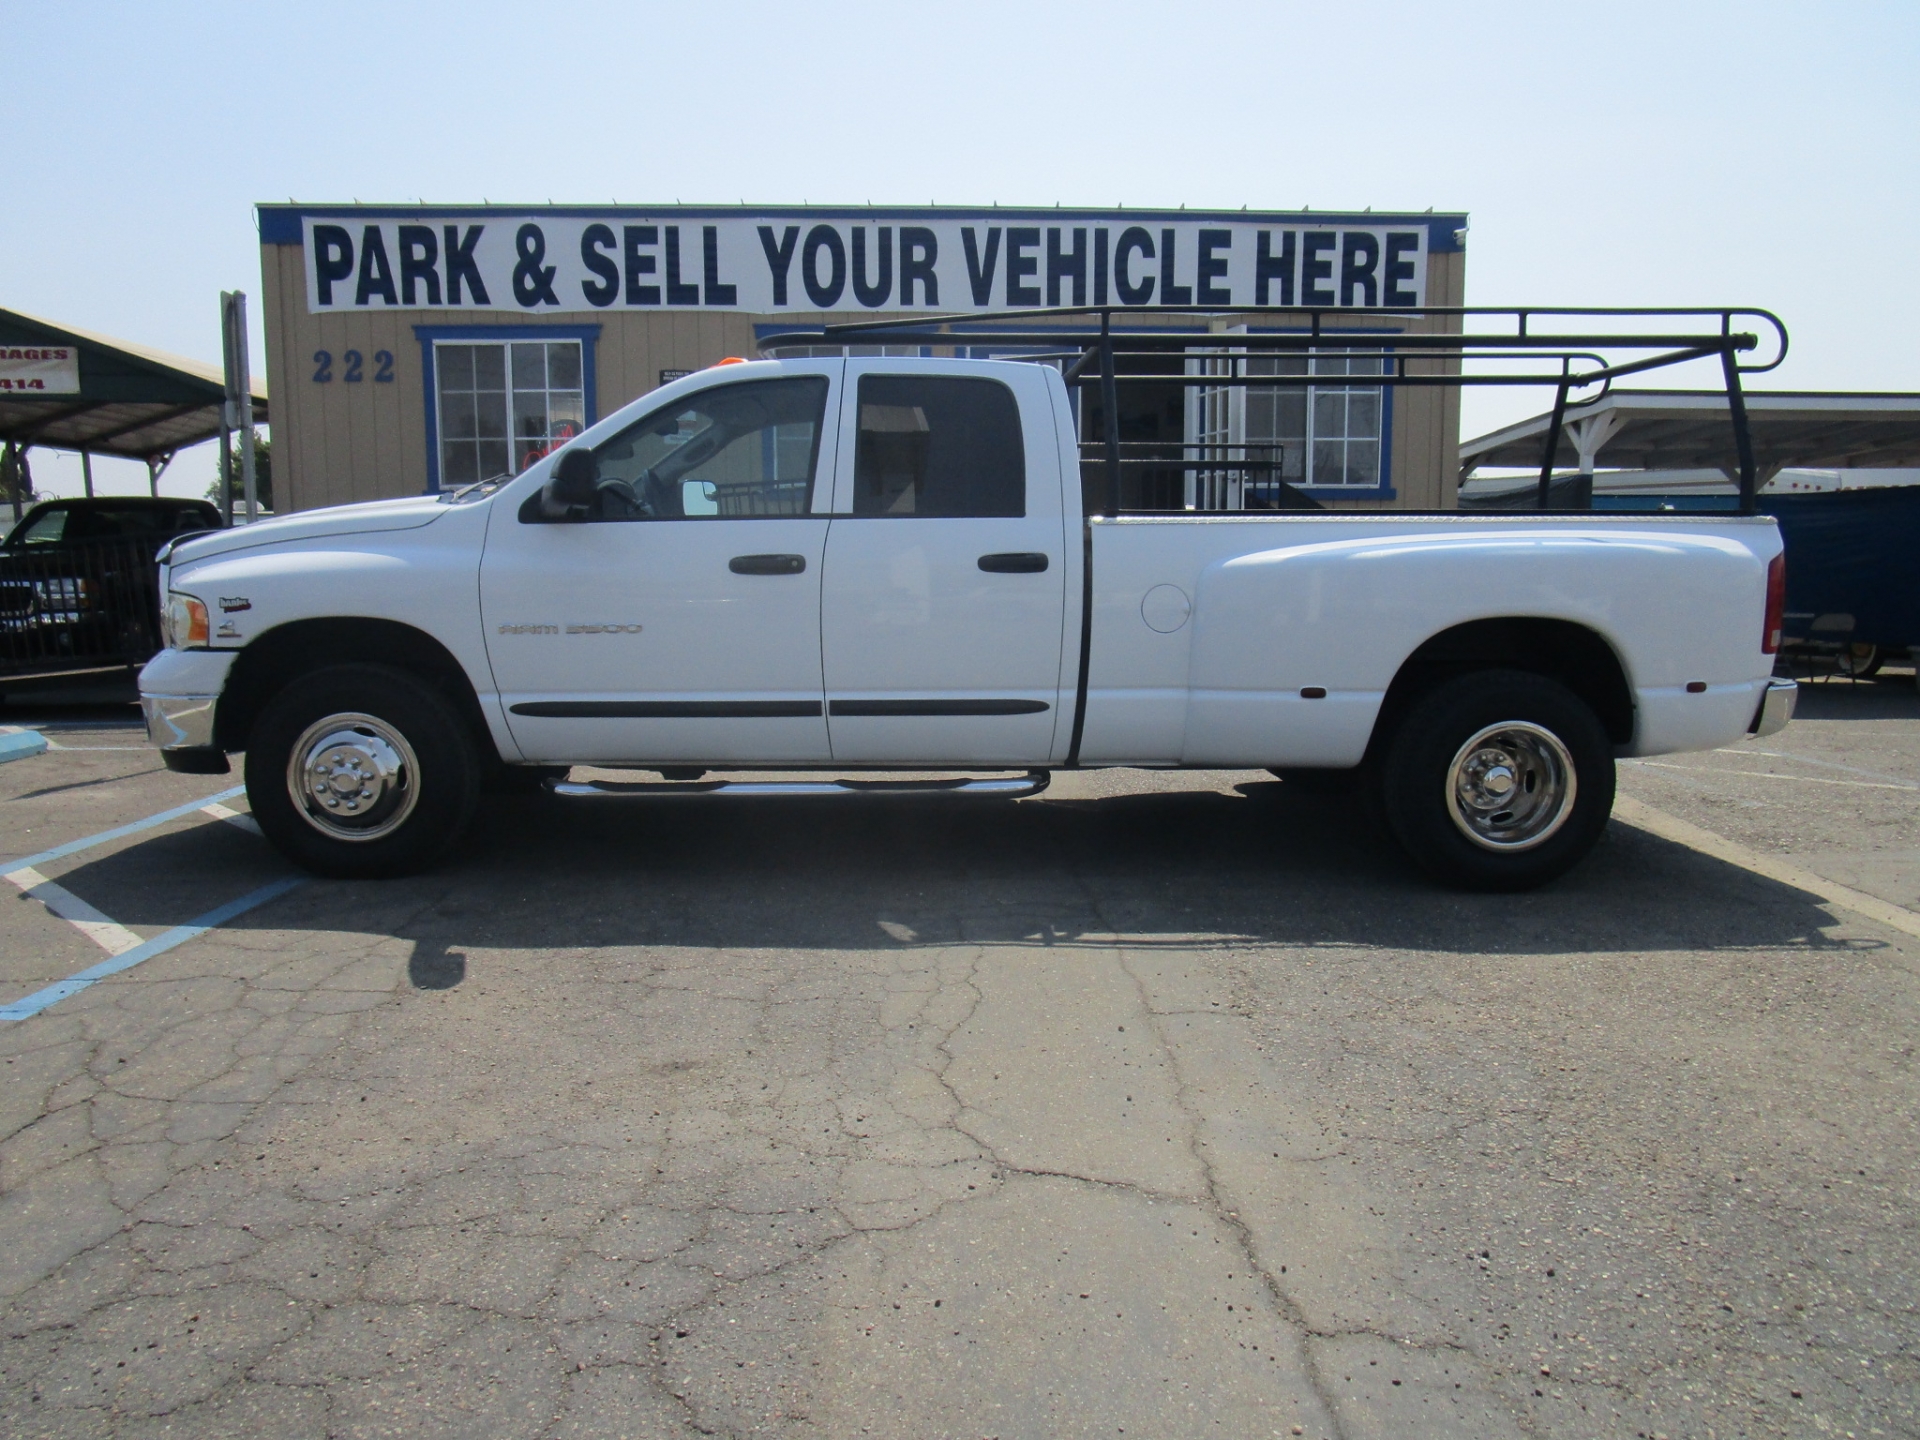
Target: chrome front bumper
{"points": [[180, 722], [1776, 708]]}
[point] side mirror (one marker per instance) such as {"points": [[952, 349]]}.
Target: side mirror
{"points": [[569, 491]]}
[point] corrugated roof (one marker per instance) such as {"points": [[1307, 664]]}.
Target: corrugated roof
{"points": [[1690, 429], [134, 401]]}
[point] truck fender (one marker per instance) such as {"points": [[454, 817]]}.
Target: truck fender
{"points": [[1295, 648]]}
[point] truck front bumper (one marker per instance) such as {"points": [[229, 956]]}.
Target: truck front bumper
{"points": [[179, 693], [1776, 708], [182, 726]]}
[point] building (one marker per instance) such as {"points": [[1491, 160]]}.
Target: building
{"points": [[414, 348]]}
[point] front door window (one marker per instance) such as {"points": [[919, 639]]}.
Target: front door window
{"points": [[735, 452]]}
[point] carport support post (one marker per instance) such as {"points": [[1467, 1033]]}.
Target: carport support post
{"points": [[226, 470], [86, 471], [226, 409], [13, 466], [239, 377]]}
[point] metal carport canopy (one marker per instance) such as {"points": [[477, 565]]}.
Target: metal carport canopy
{"points": [[133, 401], [1690, 430]]}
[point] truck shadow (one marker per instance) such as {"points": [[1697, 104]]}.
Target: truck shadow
{"points": [[1885, 697], [1270, 863]]}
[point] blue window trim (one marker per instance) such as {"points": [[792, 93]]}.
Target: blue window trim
{"points": [[587, 335]]}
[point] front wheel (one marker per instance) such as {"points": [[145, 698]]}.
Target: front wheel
{"points": [[361, 772], [1498, 780]]}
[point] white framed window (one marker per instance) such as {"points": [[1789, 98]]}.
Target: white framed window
{"points": [[1320, 437], [501, 405]]}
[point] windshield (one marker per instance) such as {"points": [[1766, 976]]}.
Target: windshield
{"points": [[71, 524], [49, 527]]}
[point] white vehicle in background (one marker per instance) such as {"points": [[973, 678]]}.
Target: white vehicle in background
{"points": [[885, 564]]}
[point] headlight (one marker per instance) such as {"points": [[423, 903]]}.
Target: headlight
{"points": [[185, 623]]}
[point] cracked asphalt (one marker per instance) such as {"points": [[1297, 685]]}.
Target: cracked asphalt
{"points": [[1165, 1104]]}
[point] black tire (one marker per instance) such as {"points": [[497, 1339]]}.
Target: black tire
{"points": [[1318, 782], [1860, 660], [1543, 730], [422, 798]]}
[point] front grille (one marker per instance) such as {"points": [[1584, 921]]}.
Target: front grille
{"points": [[78, 606]]}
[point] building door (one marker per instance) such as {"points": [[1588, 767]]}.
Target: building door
{"points": [[944, 603], [679, 621]]}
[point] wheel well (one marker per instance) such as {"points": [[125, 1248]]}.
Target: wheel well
{"points": [[1577, 657], [285, 652]]}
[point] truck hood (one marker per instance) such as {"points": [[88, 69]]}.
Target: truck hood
{"points": [[374, 515]]}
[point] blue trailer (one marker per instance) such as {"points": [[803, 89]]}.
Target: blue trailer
{"points": [[1853, 572]]}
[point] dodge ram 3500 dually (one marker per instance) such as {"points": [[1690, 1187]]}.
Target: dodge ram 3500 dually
{"points": [[882, 564]]}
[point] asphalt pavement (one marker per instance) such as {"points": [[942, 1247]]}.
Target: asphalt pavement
{"points": [[1163, 1104]]}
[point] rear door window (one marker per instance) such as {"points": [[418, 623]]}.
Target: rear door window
{"points": [[938, 446]]}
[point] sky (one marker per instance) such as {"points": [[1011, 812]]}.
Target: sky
{"points": [[1628, 154]]}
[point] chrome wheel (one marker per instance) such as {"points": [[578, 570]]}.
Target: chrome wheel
{"points": [[353, 777], [1511, 786]]}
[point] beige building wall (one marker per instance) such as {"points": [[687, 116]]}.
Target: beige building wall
{"points": [[340, 442]]}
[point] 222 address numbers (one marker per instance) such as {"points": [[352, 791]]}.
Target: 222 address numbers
{"points": [[351, 362]]}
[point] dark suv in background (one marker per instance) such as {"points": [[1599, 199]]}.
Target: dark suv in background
{"points": [[79, 585]]}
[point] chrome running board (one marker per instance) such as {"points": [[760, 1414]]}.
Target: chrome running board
{"points": [[1006, 787]]}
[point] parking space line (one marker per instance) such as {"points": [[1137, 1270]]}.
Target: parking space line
{"points": [[1811, 760], [125, 947], [1671, 827], [159, 945], [239, 819], [73, 847], [109, 935], [53, 744], [1770, 775]]}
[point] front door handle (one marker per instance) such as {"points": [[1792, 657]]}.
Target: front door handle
{"points": [[1014, 562], [767, 564]]}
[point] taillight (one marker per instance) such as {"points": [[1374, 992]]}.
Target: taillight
{"points": [[1776, 605]]}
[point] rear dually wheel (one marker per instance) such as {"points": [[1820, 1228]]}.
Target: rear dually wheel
{"points": [[1498, 780]]}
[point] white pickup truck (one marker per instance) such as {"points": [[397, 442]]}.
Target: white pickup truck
{"points": [[882, 565]]}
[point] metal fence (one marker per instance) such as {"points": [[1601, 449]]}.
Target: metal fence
{"points": [[77, 609]]}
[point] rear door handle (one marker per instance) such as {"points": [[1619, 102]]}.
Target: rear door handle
{"points": [[1014, 562], [767, 564]]}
